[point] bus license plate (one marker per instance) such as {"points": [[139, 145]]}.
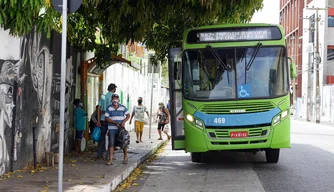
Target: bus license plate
{"points": [[239, 134]]}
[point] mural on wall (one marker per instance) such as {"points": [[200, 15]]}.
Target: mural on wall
{"points": [[56, 102], [39, 60], [30, 97], [9, 74]]}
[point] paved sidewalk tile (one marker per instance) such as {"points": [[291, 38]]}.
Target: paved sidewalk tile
{"points": [[85, 173]]}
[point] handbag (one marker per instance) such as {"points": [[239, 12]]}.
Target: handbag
{"points": [[96, 135], [166, 128]]}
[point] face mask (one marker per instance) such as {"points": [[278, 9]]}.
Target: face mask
{"points": [[115, 101], [80, 104], [140, 101]]}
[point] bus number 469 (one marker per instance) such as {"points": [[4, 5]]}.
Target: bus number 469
{"points": [[219, 120]]}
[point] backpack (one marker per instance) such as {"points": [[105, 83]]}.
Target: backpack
{"points": [[123, 138]]}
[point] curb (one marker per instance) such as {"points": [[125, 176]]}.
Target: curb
{"points": [[113, 184]]}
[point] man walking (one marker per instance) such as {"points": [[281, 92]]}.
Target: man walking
{"points": [[116, 115], [139, 113], [168, 105], [104, 102]]}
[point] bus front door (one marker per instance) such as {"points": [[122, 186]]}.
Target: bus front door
{"points": [[175, 92]]}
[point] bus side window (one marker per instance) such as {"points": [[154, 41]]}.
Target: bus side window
{"points": [[177, 71], [196, 75]]}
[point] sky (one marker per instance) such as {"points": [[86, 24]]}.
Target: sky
{"points": [[268, 14]]}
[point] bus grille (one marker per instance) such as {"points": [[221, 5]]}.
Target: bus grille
{"points": [[233, 107], [223, 134], [239, 142]]}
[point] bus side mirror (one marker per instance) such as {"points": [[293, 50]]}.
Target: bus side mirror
{"points": [[272, 76], [293, 70]]}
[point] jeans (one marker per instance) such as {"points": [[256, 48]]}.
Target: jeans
{"points": [[101, 147]]}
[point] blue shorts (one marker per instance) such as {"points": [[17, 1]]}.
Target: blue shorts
{"points": [[79, 134], [112, 137]]}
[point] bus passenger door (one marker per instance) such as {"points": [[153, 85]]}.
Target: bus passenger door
{"points": [[175, 92]]}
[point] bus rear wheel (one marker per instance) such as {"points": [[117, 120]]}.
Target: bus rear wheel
{"points": [[196, 157], [272, 155]]}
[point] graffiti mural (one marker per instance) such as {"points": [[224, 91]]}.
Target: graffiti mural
{"points": [[38, 58], [30, 97], [69, 83], [9, 75]]}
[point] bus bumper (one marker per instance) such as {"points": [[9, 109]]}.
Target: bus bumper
{"points": [[199, 140]]}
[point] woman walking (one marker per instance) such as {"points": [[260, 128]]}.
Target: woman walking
{"points": [[162, 118]]}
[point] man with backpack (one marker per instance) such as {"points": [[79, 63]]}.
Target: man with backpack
{"points": [[116, 115], [104, 102]]}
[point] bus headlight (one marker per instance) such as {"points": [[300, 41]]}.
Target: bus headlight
{"points": [[199, 123], [284, 113], [190, 118], [276, 119], [280, 117]]}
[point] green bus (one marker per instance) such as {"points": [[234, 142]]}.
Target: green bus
{"points": [[230, 90]]}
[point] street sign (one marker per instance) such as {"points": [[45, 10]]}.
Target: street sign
{"points": [[72, 5]]}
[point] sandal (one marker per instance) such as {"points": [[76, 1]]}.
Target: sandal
{"points": [[125, 161], [160, 139], [109, 163], [137, 141]]}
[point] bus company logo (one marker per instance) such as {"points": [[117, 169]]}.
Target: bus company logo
{"points": [[237, 110], [192, 106]]}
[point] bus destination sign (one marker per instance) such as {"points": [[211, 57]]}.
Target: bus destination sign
{"points": [[258, 34], [234, 34]]}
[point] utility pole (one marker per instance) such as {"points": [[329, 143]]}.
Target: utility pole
{"points": [[316, 67], [309, 81]]}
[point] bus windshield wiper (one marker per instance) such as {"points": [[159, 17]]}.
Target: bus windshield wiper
{"points": [[221, 62], [258, 46]]}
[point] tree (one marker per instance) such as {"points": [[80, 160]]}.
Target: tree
{"points": [[102, 25]]}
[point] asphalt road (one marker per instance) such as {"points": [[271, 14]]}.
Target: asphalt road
{"points": [[308, 166]]}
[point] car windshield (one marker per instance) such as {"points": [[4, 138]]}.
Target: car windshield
{"points": [[235, 73]]}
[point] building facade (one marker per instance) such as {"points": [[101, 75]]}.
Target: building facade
{"points": [[291, 19], [304, 40]]}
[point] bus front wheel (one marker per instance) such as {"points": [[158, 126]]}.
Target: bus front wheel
{"points": [[196, 157], [272, 155]]}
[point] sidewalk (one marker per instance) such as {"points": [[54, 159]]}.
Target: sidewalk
{"points": [[323, 121], [85, 173]]}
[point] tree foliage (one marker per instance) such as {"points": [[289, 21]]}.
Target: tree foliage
{"points": [[101, 25]]}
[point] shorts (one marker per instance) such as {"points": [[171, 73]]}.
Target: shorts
{"points": [[161, 126], [79, 134], [139, 126], [112, 137]]}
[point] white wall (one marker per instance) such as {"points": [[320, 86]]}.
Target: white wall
{"points": [[134, 84], [9, 47]]}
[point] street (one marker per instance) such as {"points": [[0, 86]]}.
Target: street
{"points": [[307, 166]]}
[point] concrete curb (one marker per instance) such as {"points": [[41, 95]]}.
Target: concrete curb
{"points": [[115, 181]]}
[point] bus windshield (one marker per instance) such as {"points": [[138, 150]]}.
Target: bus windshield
{"points": [[235, 73]]}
